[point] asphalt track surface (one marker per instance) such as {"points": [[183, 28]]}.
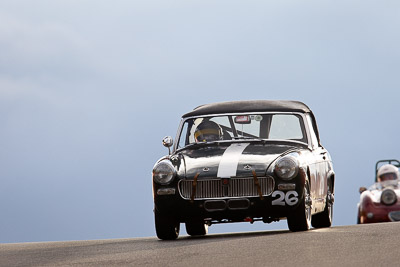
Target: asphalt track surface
{"points": [[356, 245]]}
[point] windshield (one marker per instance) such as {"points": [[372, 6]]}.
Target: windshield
{"points": [[278, 126], [394, 184]]}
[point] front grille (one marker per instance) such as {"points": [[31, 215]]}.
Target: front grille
{"points": [[238, 187]]}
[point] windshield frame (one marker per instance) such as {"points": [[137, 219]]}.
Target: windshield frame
{"points": [[395, 184], [301, 115]]}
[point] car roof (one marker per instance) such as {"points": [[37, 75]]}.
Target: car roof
{"points": [[249, 106]]}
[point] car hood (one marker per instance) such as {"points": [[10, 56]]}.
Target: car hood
{"points": [[229, 159]]}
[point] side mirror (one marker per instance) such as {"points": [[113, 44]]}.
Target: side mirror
{"points": [[168, 142], [362, 189]]}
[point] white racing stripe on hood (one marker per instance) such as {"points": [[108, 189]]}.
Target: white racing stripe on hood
{"points": [[230, 159]]}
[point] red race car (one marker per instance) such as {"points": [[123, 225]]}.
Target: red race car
{"points": [[381, 202]]}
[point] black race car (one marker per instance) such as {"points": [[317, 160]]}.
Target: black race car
{"points": [[244, 161]]}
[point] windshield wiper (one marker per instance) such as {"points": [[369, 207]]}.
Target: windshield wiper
{"points": [[254, 139], [247, 138], [196, 145]]}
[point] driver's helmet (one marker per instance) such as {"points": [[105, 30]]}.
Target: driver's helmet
{"points": [[388, 172], [208, 131]]}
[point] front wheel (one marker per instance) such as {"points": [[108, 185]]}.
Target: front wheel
{"points": [[300, 220], [194, 228], [167, 227]]}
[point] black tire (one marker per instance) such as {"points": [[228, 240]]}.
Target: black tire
{"points": [[167, 227], [300, 220], [324, 219], [194, 228]]}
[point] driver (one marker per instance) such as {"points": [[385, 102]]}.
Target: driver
{"points": [[388, 172], [208, 131]]}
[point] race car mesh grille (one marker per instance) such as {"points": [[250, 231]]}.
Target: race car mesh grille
{"points": [[237, 187]]}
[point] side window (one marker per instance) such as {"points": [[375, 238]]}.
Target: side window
{"points": [[314, 140]]}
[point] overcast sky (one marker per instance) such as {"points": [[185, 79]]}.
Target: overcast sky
{"points": [[89, 88]]}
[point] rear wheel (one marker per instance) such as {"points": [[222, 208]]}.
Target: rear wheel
{"points": [[167, 227], [324, 219], [300, 220], [197, 227]]}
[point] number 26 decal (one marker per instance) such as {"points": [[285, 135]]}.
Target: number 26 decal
{"points": [[291, 198]]}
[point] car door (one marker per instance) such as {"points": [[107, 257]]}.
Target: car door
{"points": [[319, 167]]}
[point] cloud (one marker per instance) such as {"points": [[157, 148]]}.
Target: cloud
{"points": [[38, 49]]}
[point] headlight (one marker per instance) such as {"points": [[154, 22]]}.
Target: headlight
{"points": [[287, 167], [163, 172], [388, 197]]}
